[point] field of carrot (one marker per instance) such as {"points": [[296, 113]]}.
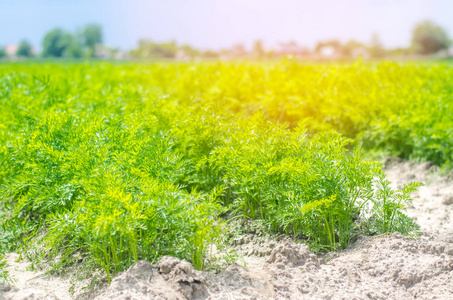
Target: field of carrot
{"points": [[115, 163]]}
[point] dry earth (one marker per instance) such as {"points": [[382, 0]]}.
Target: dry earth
{"points": [[384, 267]]}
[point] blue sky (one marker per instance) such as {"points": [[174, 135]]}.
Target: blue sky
{"points": [[222, 23]]}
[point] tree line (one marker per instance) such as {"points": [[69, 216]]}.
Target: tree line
{"points": [[59, 43], [427, 38]]}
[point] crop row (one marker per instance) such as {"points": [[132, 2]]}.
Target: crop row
{"points": [[114, 163]]}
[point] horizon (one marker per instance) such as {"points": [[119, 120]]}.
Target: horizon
{"points": [[206, 24]]}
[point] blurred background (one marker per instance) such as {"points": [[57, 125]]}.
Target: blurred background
{"points": [[226, 29]]}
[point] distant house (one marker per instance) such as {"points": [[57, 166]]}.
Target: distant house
{"points": [[121, 55], [182, 55], [236, 52], [360, 52], [105, 52], [292, 49], [102, 51], [329, 52], [450, 52], [11, 49]]}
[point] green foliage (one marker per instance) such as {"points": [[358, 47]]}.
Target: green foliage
{"points": [[376, 48], [116, 163], [4, 274], [389, 205], [103, 186], [74, 49], [2, 53], [148, 49], [25, 49], [294, 183], [56, 42], [59, 43], [92, 35], [429, 38]]}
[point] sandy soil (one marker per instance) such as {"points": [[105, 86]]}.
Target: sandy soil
{"points": [[384, 267]]}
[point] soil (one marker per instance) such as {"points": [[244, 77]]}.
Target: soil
{"points": [[380, 267]]}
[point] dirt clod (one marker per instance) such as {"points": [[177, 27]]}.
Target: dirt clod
{"points": [[30, 294], [289, 254]]}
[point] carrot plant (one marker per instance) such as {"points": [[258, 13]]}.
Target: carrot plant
{"points": [[115, 163], [4, 274], [295, 183], [389, 204]]}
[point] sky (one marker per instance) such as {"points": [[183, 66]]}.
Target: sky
{"points": [[215, 24]]}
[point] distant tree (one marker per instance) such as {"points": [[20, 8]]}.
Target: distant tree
{"points": [[74, 49], [376, 49], [429, 38], [209, 54], [238, 50], [166, 50], [25, 49], [56, 42], [350, 49], [258, 50], [148, 49], [189, 50], [2, 52], [399, 51], [91, 36]]}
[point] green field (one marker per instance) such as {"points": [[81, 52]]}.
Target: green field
{"points": [[119, 162]]}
